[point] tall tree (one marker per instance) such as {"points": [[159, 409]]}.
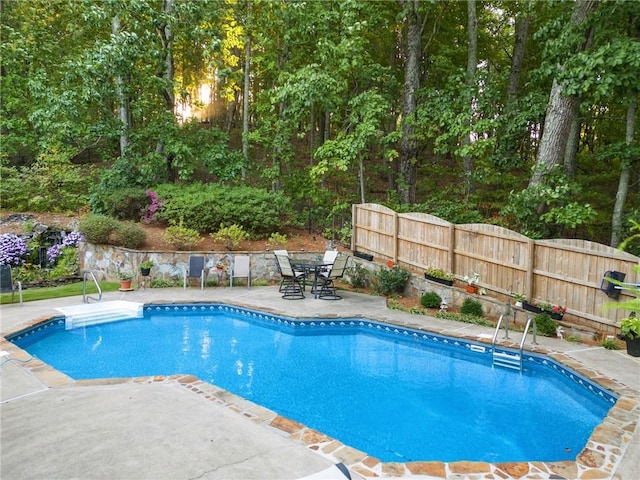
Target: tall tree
{"points": [[559, 110]]}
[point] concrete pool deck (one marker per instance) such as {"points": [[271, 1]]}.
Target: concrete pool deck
{"points": [[178, 427]]}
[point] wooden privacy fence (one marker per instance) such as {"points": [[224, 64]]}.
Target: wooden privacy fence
{"points": [[560, 272]]}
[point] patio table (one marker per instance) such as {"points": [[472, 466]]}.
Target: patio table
{"points": [[309, 266]]}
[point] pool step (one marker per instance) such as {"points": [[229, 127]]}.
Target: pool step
{"points": [[95, 313], [507, 360]]}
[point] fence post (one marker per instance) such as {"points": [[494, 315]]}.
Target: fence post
{"points": [[528, 287], [395, 237], [354, 225], [452, 248]]}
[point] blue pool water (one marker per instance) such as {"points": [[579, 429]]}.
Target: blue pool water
{"points": [[396, 394]]}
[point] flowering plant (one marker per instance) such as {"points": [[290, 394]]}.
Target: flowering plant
{"points": [[549, 308], [149, 212], [220, 265], [70, 240], [472, 279], [12, 249]]}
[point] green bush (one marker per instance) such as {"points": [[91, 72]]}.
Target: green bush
{"points": [[431, 300], [181, 237], [97, 229], [124, 203], [392, 280], [277, 239], [66, 263], [471, 307], [232, 236], [128, 235], [204, 207], [357, 275], [546, 325]]}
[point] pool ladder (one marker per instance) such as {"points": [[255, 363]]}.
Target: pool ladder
{"points": [[85, 297], [508, 359]]}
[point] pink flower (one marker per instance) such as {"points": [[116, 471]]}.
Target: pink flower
{"points": [[556, 309]]}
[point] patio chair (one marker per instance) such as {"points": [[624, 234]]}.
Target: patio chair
{"points": [[327, 288], [292, 283], [7, 284], [196, 270], [328, 259], [240, 269]]}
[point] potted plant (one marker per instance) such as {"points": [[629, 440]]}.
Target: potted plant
{"points": [[472, 282], [555, 311], [439, 275], [125, 280], [630, 333], [145, 268], [220, 265], [520, 299]]}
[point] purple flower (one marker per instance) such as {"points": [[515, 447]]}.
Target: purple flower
{"points": [[53, 253], [149, 212], [12, 249], [72, 239]]}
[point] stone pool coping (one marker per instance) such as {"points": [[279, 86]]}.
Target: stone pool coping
{"points": [[598, 459]]}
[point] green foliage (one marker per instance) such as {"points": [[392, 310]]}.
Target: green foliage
{"points": [[45, 187], [98, 228], [610, 344], [160, 282], [128, 235], [277, 239], [232, 236], [439, 273], [392, 280], [471, 307], [466, 318], [630, 327], [122, 203], [561, 211], [430, 300], [205, 207], [357, 275], [66, 264], [546, 325], [181, 237]]}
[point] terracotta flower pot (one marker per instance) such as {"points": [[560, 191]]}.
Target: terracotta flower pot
{"points": [[471, 288], [125, 284]]}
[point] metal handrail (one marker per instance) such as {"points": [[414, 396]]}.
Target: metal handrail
{"points": [[522, 340], [85, 297]]}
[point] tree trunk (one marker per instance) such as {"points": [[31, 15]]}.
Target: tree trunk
{"points": [[245, 102], [123, 104], [625, 175], [408, 146], [519, 46], [559, 114], [166, 37], [573, 142], [472, 62]]}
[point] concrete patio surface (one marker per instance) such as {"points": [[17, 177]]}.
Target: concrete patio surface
{"points": [[177, 428]]}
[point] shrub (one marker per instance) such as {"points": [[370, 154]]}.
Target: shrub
{"points": [[431, 300], [357, 275], [471, 307], [392, 280], [12, 249], [204, 207], [232, 236], [98, 228], [277, 239], [546, 325], [128, 235], [181, 237], [67, 263]]}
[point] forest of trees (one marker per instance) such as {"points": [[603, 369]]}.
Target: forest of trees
{"points": [[521, 113]]}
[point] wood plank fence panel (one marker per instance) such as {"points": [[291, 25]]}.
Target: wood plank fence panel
{"points": [[566, 272]]}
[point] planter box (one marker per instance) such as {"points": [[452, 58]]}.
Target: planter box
{"points": [[471, 288], [365, 256], [532, 308], [442, 281], [633, 346]]}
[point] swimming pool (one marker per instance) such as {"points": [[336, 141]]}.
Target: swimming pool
{"points": [[388, 389]]}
